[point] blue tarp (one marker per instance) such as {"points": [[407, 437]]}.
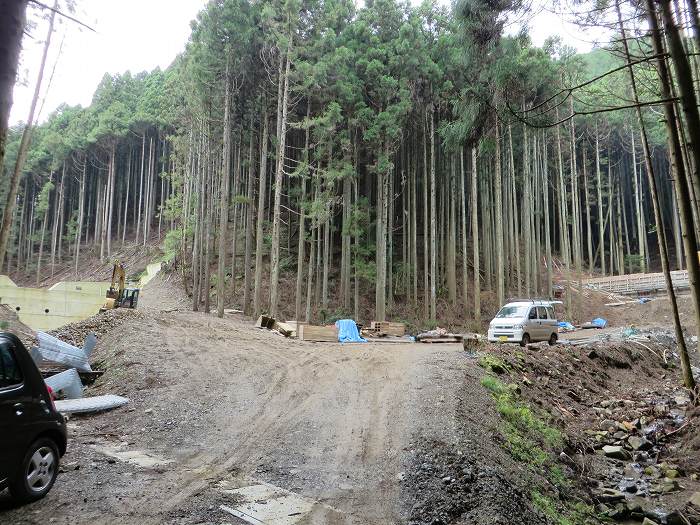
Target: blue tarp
{"points": [[599, 322], [347, 332], [566, 325], [643, 300]]}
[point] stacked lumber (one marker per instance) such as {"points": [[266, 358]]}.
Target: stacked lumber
{"points": [[381, 328], [309, 332]]}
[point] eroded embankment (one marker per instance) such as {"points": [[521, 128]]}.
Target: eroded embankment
{"points": [[629, 432]]}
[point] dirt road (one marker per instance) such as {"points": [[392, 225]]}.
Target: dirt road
{"points": [[217, 405]]}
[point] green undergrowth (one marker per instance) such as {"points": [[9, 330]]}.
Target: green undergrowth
{"points": [[494, 364], [530, 439]]}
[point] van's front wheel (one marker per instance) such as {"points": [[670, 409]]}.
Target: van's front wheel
{"points": [[525, 340], [552, 339]]}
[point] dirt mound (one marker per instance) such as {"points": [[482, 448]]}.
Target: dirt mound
{"points": [[9, 322], [100, 324], [452, 484]]}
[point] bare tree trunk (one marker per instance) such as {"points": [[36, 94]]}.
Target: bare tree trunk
{"points": [[498, 190], [301, 255], [126, 194], [475, 239], [143, 161], [223, 197], [250, 209], [516, 226], [11, 30], [11, 24], [43, 234], [58, 205], [274, 252], [426, 290], [381, 241], [433, 221], [110, 197], [601, 222], [681, 184], [262, 183], [81, 214], [463, 206]]}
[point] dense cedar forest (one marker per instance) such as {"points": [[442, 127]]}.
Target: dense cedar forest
{"points": [[301, 157]]}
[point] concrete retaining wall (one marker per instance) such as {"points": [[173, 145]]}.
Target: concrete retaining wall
{"points": [[47, 309]]}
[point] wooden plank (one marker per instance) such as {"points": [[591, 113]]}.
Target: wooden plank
{"points": [[295, 324], [285, 329], [309, 332], [441, 340]]}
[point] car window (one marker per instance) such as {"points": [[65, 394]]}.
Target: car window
{"points": [[550, 311], [10, 373], [512, 312], [541, 312], [533, 313]]}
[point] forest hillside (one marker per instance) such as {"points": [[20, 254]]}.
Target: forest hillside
{"points": [[329, 160]]}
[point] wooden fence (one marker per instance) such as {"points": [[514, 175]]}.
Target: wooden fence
{"points": [[638, 283]]}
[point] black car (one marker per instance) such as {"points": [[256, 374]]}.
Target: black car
{"points": [[32, 432]]}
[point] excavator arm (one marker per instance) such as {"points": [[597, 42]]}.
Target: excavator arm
{"points": [[116, 289], [118, 295]]}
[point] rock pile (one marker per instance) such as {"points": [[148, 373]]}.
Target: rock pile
{"points": [[451, 484], [630, 438], [100, 324]]}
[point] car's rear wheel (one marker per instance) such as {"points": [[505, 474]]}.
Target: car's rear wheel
{"points": [[525, 340], [37, 473], [552, 339]]}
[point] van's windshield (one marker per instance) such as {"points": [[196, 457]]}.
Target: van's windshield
{"points": [[512, 312]]}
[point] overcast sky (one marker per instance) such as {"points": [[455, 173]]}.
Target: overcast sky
{"points": [[133, 35], [139, 35]]}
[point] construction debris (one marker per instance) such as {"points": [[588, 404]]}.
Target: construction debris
{"points": [[53, 350], [565, 326], [347, 332], [270, 323], [90, 404], [388, 328], [439, 335], [66, 385], [595, 323], [285, 329], [265, 322]]}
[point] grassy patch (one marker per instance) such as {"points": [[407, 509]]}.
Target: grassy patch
{"points": [[519, 415], [494, 364], [529, 439], [577, 513]]}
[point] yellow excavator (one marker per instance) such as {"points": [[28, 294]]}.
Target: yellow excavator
{"points": [[118, 295]]}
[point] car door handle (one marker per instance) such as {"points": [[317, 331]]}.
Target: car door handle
{"points": [[19, 409]]}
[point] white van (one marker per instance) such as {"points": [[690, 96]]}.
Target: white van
{"points": [[525, 322]]}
